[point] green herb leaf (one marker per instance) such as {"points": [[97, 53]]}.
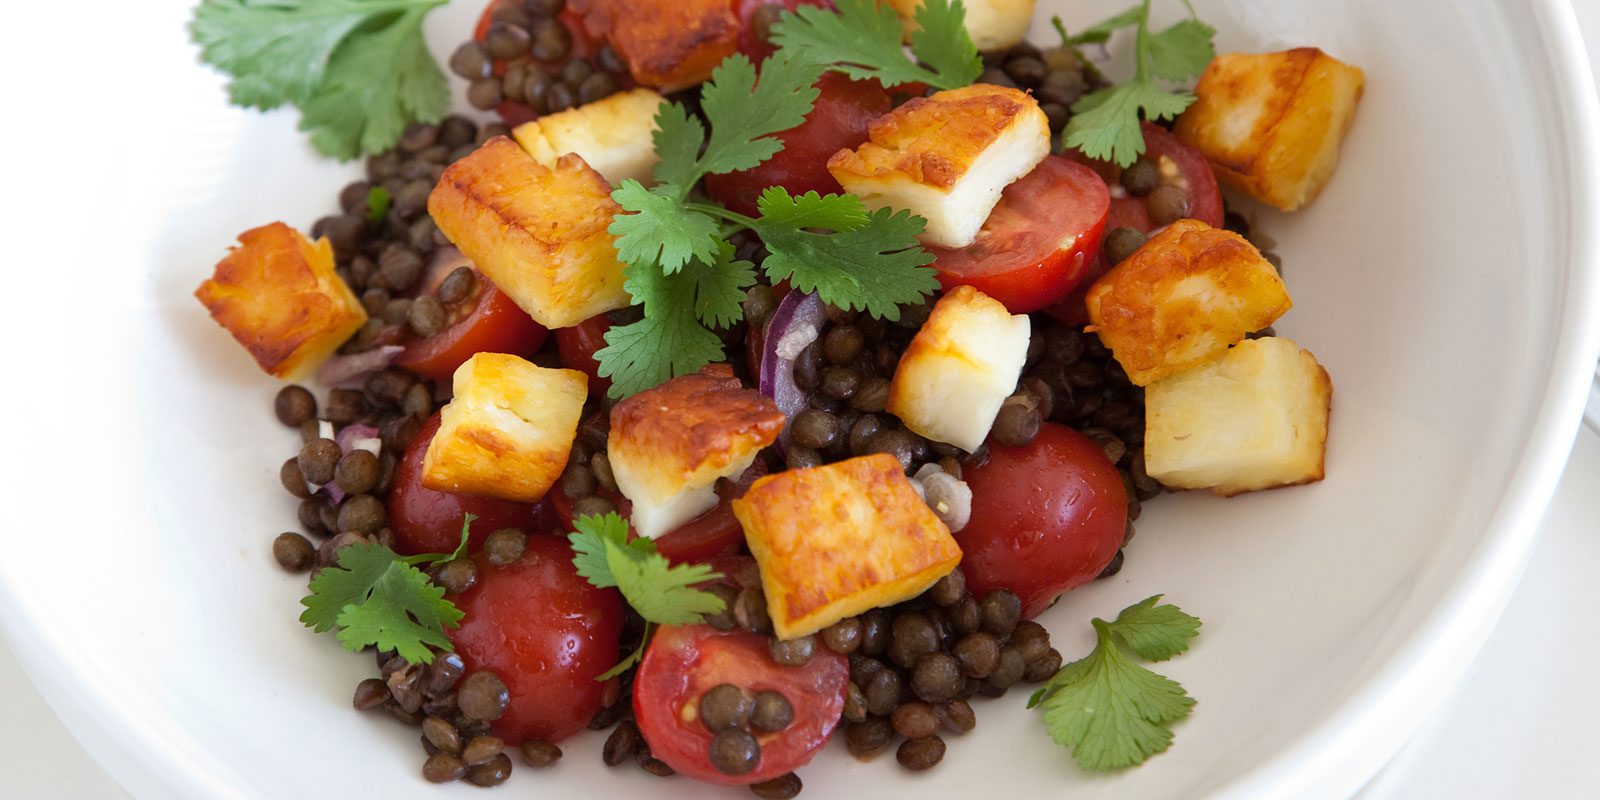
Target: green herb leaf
{"points": [[632, 658], [661, 593], [359, 70], [377, 204], [660, 229], [678, 138], [719, 287], [835, 212], [863, 39], [669, 340], [1105, 123], [875, 268], [745, 113], [376, 598], [1155, 632], [1110, 711]]}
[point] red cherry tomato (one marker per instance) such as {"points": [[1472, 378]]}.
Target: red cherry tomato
{"points": [[711, 534], [547, 633], [584, 46], [490, 324], [1205, 200], [683, 662], [578, 344], [1045, 518], [1038, 243], [749, 43], [429, 521], [839, 120]]}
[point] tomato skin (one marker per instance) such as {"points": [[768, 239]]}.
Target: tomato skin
{"points": [[547, 633], [494, 325], [578, 344], [1038, 243], [429, 521], [1046, 518], [839, 120], [683, 662], [701, 539]]}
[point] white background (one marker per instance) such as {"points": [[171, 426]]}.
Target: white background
{"points": [[1520, 723]]}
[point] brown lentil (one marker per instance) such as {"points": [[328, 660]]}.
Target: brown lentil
{"points": [[293, 481], [815, 429], [725, 706], [1167, 204], [344, 407], [361, 513], [328, 551], [937, 678], [491, 773], [294, 405], [593, 505], [356, 472], [483, 696], [504, 546], [1008, 670], [750, 610], [843, 637], [792, 652], [1017, 424], [950, 589], [957, 716], [734, 752], [310, 512], [370, 693], [457, 576], [869, 738], [1141, 177], [442, 735], [978, 654], [1043, 668], [482, 749], [920, 754], [787, 785], [773, 712], [915, 720], [538, 753], [874, 632], [551, 41], [443, 768], [1002, 610], [1121, 242], [723, 620], [912, 636], [855, 703], [883, 692], [293, 552], [1113, 567], [872, 397], [620, 744], [470, 61], [317, 460]]}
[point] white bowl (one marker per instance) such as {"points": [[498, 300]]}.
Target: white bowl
{"points": [[1446, 278]]}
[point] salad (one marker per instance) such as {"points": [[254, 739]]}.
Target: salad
{"points": [[763, 369]]}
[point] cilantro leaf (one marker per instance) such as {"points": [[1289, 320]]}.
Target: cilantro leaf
{"points": [[745, 113], [661, 593], [719, 287], [1110, 711], [669, 341], [876, 268], [377, 204], [678, 138], [863, 39], [1155, 632], [660, 229], [1105, 123], [632, 658], [359, 70], [1182, 51], [376, 598], [811, 210]]}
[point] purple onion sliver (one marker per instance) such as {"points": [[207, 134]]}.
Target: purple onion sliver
{"points": [[341, 370], [796, 322]]}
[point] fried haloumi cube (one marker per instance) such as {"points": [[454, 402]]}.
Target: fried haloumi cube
{"points": [[1271, 123], [947, 157], [1183, 298], [959, 368], [668, 44], [669, 445], [538, 233], [278, 295], [614, 136], [1257, 418], [992, 24], [508, 431], [839, 539]]}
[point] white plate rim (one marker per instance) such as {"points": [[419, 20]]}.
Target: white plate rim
{"points": [[1333, 758]]}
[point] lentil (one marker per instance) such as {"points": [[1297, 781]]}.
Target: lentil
{"points": [[293, 481], [1017, 424], [443, 768], [482, 749], [792, 652], [915, 720], [787, 785], [855, 703], [868, 738], [883, 692], [773, 712], [294, 405], [293, 552], [874, 632], [912, 636], [950, 589], [1008, 670], [344, 407], [310, 512], [1113, 567], [551, 41], [750, 610], [483, 696], [356, 472], [1167, 204], [442, 735], [815, 429], [724, 620], [539, 753], [734, 752], [1141, 177], [1043, 668], [1121, 242], [362, 513], [937, 678], [370, 693], [725, 706], [504, 546], [920, 754], [318, 459], [843, 637], [491, 773], [957, 716], [978, 654]]}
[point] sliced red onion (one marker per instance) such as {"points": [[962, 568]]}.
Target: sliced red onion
{"points": [[341, 371], [795, 324], [351, 439]]}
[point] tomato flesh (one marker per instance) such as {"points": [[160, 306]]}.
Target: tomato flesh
{"points": [[1039, 241], [711, 534], [1046, 518], [547, 633], [494, 324], [429, 521], [839, 120], [684, 662]]}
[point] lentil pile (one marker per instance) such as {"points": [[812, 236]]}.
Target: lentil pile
{"points": [[531, 56]]}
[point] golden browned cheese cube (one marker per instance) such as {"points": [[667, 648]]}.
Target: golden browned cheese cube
{"points": [[668, 44], [1271, 123], [1257, 418], [508, 430], [278, 295], [538, 233], [1184, 298], [947, 157], [839, 539], [670, 444]]}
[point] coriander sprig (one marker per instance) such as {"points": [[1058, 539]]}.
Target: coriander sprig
{"points": [[359, 70], [376, 597], [1112, 712], [663, 594], [1105, 123], [863, 39], [679, 265]]}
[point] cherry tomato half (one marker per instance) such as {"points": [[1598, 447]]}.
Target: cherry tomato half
{"points": [[1046, 518], [428, 521], [1039, 241], [700, 539], [683, 662], [547, 633], [1205, 200], [839, 120], [578, 344], [489, 323]]}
